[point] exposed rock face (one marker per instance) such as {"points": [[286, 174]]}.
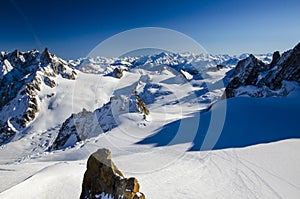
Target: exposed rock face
{"points": [[49, 82], [142, 106], [57, 66], [86, 124], [21, 77], [6, 131], [118, 73], [253, 78], [287, 68], [76, 128], [220, 66], [103, 179], [245, 73], [275, 59]]}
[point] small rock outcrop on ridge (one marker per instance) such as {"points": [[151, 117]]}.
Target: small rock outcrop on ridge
{"points": [[103, 179], [118, 73]]}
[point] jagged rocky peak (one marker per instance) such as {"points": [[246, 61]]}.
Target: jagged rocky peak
{"points": [[245, 73], [21, 77], [246, 67], [252, 77], [15, 54], [103, 179], [275, 59], [46, 56], [58, 66]]}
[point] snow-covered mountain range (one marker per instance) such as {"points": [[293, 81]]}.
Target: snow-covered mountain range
{"points": [[25, 77], [192, 126], [186, 61]]}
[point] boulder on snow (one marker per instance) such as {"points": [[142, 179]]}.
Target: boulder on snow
{"points": [[220, 66], [118, 73], [103, 179]]}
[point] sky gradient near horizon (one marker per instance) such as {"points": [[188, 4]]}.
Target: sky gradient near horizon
{"points": [[71, 29]]}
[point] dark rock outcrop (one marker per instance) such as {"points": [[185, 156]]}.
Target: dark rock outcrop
{"points": [[220, 66], [102, 178], [49, 82], [6, 131], [254, 78], [275, 59], [142, 106], [118, 73], [245, 73], [288, 68], [66, 132]]}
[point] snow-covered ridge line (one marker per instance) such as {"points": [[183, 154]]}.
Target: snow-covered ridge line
{"points": [[185, 61]]}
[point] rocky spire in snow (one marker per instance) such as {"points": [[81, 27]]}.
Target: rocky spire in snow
{"points": [[275, 59], [103, 179], [46, 57]]}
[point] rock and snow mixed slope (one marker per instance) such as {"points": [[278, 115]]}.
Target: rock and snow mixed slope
{"points": [[254, 78], [22, 78], [255, 157]]}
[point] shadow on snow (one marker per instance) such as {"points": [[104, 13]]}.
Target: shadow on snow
{"points": [[248, 121]]}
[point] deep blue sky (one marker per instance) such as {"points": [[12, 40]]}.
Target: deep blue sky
{"points": [[73, 28]]}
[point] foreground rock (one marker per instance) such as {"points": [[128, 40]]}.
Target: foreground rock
{"points": [[103, 179]]}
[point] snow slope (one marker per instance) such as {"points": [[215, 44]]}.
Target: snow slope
{"points": [[264, 171], [256, 156]]}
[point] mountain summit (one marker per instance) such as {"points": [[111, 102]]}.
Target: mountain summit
{"points": [[22, 77], [254, 78]]}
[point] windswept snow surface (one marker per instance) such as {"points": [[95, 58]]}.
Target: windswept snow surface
{"points": [[257, 155]]}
